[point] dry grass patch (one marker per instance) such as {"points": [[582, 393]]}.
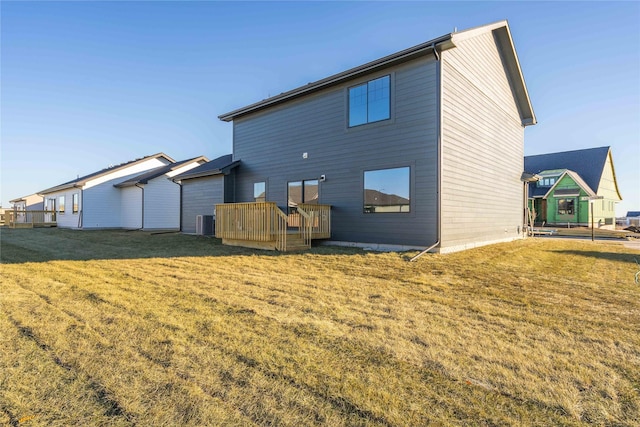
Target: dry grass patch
{"points": [[117, 328]]}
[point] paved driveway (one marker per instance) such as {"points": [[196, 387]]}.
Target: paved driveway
{"points": [[633, 244]]}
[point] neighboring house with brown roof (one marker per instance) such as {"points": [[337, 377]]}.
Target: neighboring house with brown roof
{"points": [[105, 199], [399, 146]]}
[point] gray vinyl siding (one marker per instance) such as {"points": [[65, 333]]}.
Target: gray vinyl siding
{"points": [[271, 144], [483, 147], [199, 196]]}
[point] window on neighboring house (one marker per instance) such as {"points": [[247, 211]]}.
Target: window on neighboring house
{"points": [[74, 202], [259, 192], [546, 182], [370, 102], [387, 190], [302, 192], [61, 204], [565, 206]]}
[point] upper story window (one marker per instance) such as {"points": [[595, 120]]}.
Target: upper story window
{"points": [[547, 182], [370, 101]]}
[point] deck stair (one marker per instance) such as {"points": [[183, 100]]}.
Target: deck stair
{"points": [[296, 243]]}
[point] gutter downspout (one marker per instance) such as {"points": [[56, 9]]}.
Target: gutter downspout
{"points": [[179, 182], [142, 206], [180, 212], [81, 207], [439, 133]]}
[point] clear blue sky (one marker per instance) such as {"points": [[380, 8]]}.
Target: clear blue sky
{"points": [[89, 84]]}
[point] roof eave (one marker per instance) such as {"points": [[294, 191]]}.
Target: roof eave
{"points": [[128, 184], [505, 42], [57, 188], [613, 171], [441, 43], [220, 171], [81, 183]]}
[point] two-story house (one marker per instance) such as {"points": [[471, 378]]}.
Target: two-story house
{"points": [[402, 148]]}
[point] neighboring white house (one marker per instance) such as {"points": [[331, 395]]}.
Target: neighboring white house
{"points": [[32, 202], [93, 201], [151, 200]]}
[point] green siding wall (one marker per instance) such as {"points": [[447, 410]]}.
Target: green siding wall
{"points": [[581, 208]]}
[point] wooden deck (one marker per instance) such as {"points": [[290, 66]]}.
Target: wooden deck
{"points": [[265, 226], [30, 219]]}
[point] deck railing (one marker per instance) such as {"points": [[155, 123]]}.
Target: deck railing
{"points": [[247, 221], [16, 218], [304, 229], [265, 222], [320, 221]]}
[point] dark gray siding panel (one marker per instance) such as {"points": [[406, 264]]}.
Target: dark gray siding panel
{"points": [[199, 195], [271, 144]]}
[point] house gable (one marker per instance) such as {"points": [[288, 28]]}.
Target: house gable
{"points": [[482, 141], [569, 180], [570, 188], [608, 185], [499, 54]]}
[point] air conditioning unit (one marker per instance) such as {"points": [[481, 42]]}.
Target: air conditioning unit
{"points": [[204, 225]]}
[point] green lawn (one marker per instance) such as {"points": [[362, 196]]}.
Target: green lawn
{"points": [[129, 328]]}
